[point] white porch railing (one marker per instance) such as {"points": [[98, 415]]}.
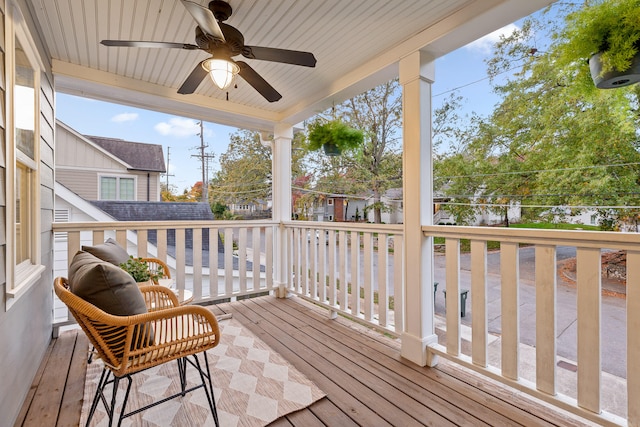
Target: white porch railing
{"points": [[244, 268], [357, 270], [349, 268], [590, 335]]}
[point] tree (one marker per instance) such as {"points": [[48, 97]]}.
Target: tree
{"points": [[245, 171], [549, 142]]}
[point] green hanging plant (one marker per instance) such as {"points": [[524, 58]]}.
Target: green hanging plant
{"points": [[605, 34], [333, 136]]}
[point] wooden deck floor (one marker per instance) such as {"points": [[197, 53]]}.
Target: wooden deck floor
{"points": [[366, 381]]}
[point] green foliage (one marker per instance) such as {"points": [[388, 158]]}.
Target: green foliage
{"points": [[608, 26], [139, 270], [549, 142], [334, 132]]}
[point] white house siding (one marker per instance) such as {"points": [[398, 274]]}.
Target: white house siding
{"points": [[25, 329]]}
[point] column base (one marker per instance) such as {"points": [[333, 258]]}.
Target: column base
{"points": [[282, 292], [414, 349]]}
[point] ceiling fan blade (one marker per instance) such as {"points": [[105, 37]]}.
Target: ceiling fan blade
{"points": [[132, 43], [193, 81], [286, 56], [258, 83], [205, 19]]}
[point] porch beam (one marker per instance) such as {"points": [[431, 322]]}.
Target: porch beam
{"points": [[417, 73], [281, 173]]}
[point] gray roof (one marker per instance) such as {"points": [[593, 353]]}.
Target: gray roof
{"points": [[141, 156], [155, 211]]}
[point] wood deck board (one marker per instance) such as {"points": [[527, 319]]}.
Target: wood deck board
{"points": [[45, 407], [366, 380], [449, 387], [369, 377], [341, 398], [519, 407]]}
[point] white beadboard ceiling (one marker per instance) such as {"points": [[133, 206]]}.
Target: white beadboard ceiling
{"points": [[357, 44]]}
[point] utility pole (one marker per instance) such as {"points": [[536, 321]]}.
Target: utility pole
{"points": [[167, 174], [204, 159]]}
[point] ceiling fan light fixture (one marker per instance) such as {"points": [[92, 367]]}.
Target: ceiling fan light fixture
{"points": [[221, 71]]}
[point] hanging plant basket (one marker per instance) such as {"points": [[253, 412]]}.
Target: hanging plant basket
{"points": [[606, 34], [331, 149], [613, 78], [334, 137]]}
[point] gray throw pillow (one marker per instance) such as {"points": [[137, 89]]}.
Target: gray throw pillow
{"points": [[105, 285], [109, 251]]}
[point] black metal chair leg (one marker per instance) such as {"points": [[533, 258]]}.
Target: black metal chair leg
{"points": [[208, 390], [104, 377], [126, 398], [182, 372]]}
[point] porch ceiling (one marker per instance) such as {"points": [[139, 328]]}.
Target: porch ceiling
{"points": [[357, 45]]}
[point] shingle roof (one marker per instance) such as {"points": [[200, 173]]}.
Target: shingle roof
{"points": [[141, 156], [155, 211]]}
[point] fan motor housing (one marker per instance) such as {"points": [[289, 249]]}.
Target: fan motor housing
{"points": [[221, 10]]}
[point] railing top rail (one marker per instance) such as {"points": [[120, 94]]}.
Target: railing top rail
{"points": [[578, 238], [346, 226], [154, 225]]}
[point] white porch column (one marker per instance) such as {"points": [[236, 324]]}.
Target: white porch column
{"points": [[416, 76], [281, 173]]}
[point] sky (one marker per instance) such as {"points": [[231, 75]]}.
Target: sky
{"points": [[463, 69]]}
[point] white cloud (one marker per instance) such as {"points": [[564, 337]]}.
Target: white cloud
{"points": [[180, 128], [124, 117], [485, 44]]}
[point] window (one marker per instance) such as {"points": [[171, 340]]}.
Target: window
{"points": [[23, 239], [117, 188], [330, 202]]}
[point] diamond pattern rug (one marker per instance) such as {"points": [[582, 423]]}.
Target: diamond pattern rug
{"points": [[253, 386]]}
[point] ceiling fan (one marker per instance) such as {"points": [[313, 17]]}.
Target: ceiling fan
{"points": [[222, 42]]}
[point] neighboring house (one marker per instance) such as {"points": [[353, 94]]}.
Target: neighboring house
{"points": [[98, 168], [252, 210]]}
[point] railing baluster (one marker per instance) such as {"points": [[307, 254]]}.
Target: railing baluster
{"points": [[633, 338], [268, 248], [398, 283], [242, 259], [333, 297], [162, 244], [313, 265], [228, 261], [510, 308], [256, 232], [121, 238], [589, 327], [383, 261], [452, 252], [181, 258], [355, 273], [213, 263], [197, 263], [142, 243], [367, 275], [479, 302], [304, 261], [322, 267], [545, 271], [342, 266]]}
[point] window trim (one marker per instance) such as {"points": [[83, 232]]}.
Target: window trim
{"points": [[20, 278], [118, 177]]}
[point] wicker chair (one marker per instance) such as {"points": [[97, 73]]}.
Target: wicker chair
{"points": [[157, 266], [130, 344]]}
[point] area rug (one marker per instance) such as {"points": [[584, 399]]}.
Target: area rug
{"points": [[253, 386]]}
